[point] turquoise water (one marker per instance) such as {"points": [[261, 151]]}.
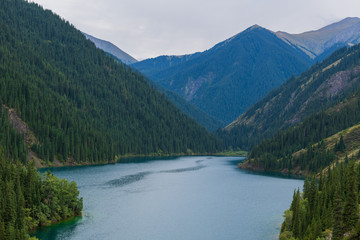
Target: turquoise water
{"points": [[187, 198]]}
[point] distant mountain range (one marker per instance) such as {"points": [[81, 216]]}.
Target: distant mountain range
{"points": [[111, 49], [227, 79]]}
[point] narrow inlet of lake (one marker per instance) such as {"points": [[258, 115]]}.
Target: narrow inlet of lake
{"points": [[186, 198]]}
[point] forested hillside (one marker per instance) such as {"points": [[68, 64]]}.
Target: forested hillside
{"points": [[81, 104], [322, 86], [328, 207], [28, 200], [308, 140]]}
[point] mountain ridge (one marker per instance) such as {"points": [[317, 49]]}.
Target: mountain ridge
{"points": [[314, 43], [112, 49]]}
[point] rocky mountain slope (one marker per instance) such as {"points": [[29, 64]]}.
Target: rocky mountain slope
{"points": [[111, 49]]}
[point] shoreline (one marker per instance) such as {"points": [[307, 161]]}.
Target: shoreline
{"points": [[248, 165], [40, 164]]}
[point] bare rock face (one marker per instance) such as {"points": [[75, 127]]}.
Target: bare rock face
{"points": [[193, 85], [20, 126], [334, 85]]}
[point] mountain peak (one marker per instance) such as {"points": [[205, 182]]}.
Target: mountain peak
{"points": [[254, 27]]}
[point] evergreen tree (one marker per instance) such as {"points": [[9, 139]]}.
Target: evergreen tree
{"points": [[338, 216], [351, 207], [296, 223]]}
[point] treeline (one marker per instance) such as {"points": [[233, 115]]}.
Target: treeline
{"points": [[80, 103], [277, 153], [28, 200], [329, 206]]}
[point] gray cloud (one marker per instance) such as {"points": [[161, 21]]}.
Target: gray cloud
{"points": [[149, 28]]}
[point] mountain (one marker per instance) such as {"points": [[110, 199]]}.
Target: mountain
{"points": [[322, 86], [111, 49], [209, 122], [227, 79], [204, 119], [81, 105], [153, 66], [321, 43]]}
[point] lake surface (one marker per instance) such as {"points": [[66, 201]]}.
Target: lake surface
{"points": [[186, 198]]}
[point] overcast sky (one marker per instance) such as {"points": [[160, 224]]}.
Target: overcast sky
{"points": [[149, 28]]}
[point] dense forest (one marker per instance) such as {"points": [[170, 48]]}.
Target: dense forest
{"points": [[80, 103], [329, 206], [27, 199], [277, 153]]}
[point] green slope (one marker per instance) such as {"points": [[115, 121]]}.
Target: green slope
{"points": [[306, 147], [81, 104], [209, 122], [152, 66], [322, 86]]}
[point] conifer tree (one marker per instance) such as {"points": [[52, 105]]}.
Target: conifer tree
{"points": [[296, 223], [351, 207], [338, 216]]}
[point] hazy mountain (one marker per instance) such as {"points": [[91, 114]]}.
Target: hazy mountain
{"points": [[111, 49], [321, 43], [227, 79], [319, 88], [153, 66]]}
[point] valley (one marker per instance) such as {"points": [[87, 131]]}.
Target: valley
{"points": [[95, 144]]}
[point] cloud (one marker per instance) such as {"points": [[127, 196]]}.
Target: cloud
{"points": [[148, 28]]}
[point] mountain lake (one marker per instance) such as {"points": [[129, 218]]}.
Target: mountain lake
{"points": [[183, 198]]}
